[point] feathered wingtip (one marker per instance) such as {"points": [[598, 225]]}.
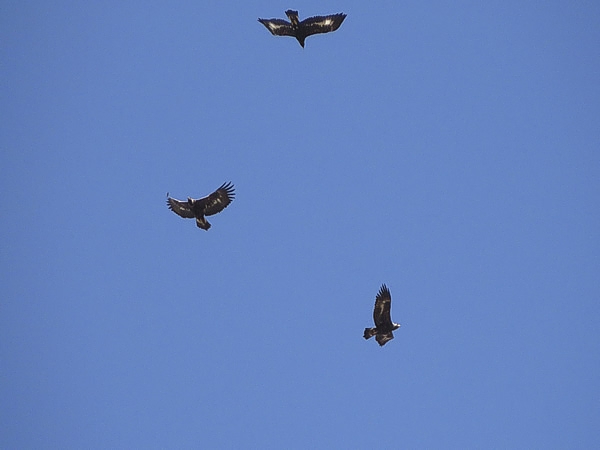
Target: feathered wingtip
{"points": [[369, 333], [229, 188]]}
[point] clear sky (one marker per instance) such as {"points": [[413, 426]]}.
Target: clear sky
{"points": [[450, 149]]}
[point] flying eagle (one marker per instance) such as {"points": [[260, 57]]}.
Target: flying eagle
{"points": [[301, 30], [383, 321], [206, 206]]}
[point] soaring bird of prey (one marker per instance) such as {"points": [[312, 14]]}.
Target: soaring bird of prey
{"points": [[301, 30], [383, 321], [206, 206]]}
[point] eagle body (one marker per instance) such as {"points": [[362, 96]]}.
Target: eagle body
{"points": [[205, 206], [302, 29], [382, 317]]}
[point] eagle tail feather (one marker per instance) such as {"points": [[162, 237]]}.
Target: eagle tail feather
{"points": [[201, 222]]}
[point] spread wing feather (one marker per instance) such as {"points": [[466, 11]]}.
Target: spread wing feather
{"points": [[278, 27], [218, 200], [382, 311], [322, 24], [180, 208]]}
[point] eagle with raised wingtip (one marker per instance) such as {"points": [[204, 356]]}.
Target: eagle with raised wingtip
{"points": [[206, 206], [301, 30], [382, 317]]}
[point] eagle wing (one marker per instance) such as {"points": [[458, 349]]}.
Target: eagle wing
{"points": [[382, 311], [180, 208], [278, 27], [322, 24], [218, 200]]}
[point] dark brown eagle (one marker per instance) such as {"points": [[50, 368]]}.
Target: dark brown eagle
{"points": [[206, 206], [301, 30], [383, 320]]}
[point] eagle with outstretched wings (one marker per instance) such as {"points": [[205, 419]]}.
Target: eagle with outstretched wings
{"points": [[206, 206], [301, 30], [382, 318]]}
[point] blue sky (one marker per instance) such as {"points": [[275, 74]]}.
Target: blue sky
{"points": [[447, 149]]}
